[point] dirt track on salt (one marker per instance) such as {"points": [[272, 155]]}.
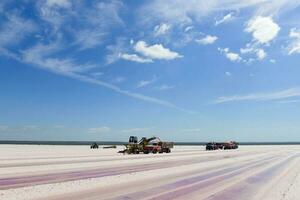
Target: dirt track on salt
{"points": [[189, 172]]}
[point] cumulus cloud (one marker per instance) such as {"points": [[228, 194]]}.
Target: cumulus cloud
{"points": [[254, 49], [234, 57], [279, 95], [263, 29], [208, 39], [135, 58], [294, 46], [161, 29], [261, 54], [156, 51], [103, 129]]}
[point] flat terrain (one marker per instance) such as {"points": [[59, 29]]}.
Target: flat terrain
{"points": [[189, 172]]}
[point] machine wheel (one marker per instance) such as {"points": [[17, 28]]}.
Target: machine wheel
{"points": [[168, 151], [154, 151], [146, 152], [135, 151]]}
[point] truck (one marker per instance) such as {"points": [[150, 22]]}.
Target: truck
{"points": [[147, 145], [230, 145], [221, 145], [213, 146]]}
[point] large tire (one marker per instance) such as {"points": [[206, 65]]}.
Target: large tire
{"points": [[146, 152], [168, 150]]}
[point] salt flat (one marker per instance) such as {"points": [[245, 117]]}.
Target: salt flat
{"points": [[189, 172]]}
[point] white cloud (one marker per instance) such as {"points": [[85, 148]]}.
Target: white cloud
{"points": [[41, 56], [294, 33], [20, 129], [115, 50], [38, 57], [165, 87], [188, 28], [254, 49], [261, 54], [15, 29], [228, 74], [161, 29], [126, 92], [208, 39], [289, 101], [179, 12], [89, 38], [263, 29], [39, 61], [135, 58], [51, 52], [294, 46], [119, 79], [97, 23], [103, 129], [234, 57], [284, 94], [93, 22], [97, 74], [225, 19], [156, 51], [272, 61], [144, 83]]}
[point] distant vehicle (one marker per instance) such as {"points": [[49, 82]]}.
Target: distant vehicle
{"points": [[147, 145], [213, 146], [94, 146], [221, 145], [230, 145]]}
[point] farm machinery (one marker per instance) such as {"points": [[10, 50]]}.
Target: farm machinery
{"points": [[147, 145]]}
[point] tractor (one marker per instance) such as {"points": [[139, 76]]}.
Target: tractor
{"points": [[147, 145]]}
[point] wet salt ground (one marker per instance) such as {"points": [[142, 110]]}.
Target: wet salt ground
{"points": [[186, 173]]}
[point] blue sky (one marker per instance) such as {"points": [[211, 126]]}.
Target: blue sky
{"points": [[185, 71]]}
